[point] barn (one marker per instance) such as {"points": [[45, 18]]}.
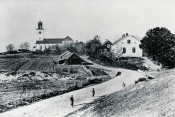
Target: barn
{"points": [[69, 58]]}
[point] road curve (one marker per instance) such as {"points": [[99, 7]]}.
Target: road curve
{"points": [[59, 106]]}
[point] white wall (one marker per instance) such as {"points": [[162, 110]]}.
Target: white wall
{"points": [[133, 43], [38, 46], [40, 36]]}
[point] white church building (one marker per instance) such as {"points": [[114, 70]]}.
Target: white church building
{"points": [[44, 43], [129, 45]]}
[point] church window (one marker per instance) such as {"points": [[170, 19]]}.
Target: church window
{"points": [[124, 50], [39, 32], [133, 50]]}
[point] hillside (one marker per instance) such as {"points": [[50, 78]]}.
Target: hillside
{"points": [[133, 63], [146, 99]]}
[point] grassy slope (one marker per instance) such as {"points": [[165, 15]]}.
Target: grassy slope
{"points": [[147, 99]]}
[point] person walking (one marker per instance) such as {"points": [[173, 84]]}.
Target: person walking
{"points": [[72, 100], [123, 85], [93, 92]]}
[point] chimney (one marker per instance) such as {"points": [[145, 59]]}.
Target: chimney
{"points": [[123, 35]]}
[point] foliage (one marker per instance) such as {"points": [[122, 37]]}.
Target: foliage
{"points": [[93, 47], [117, 51], [25, 45], [159, 43], [58, 50], [80, 47], [71, 48], [47, 51], [10, 47], [68, 47]]}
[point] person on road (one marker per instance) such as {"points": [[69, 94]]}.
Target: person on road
{"points": [[123, 85], [72, 100], [93, 92]]}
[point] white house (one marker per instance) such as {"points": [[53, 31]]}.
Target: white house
{"points": [[129, 46], [43, 43]]}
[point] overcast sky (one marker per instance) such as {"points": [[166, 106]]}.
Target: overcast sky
{"points": [[81, 19]]}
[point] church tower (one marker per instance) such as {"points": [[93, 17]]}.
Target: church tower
{"points": [[40, 31]]}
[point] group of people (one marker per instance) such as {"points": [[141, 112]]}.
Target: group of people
{"points": [[93, 94], [72, 98]]}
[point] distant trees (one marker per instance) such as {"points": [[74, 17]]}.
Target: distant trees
{"points": [[25, 46], [159, 44], [93, 47], [58, 50], [10, 47], [80, 47]]}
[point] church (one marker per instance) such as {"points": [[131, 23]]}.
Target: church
{"points": [[44, 43]]}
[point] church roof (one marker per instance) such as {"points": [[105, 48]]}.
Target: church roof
{"points": [[54, 40]]}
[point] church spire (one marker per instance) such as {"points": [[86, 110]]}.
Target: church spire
{"points": [[40, 27]]}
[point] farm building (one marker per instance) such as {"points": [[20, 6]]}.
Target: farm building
{"points": [[69, 58], [44, 43], [106, 46], [129, 45]]}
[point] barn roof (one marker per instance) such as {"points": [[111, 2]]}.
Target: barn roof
{"points": [[67, 56]]}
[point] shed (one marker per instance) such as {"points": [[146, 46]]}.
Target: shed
{"points": [[69, 58]]}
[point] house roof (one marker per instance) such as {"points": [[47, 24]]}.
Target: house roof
{"points": [[54, 40], [106, 42], [120, 39]]}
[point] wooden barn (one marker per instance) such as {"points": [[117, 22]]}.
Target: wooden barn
{"points": [[69, 58]]}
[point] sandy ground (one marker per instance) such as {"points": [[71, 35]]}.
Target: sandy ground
{"points": [[59, 106]]}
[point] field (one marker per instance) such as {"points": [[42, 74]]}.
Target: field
{"points": [[23, 64], [27, 80], [17, 94]]}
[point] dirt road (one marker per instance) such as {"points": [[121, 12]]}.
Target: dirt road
{"points": [[59, 106]]}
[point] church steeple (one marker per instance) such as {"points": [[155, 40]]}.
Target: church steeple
{"points": [[40, 26], [40, 31]]}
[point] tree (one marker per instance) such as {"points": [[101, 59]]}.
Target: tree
{"points": [[93, 47], [10, 48], [80, 47], [117, 51], [58, 50], [47, 51], [158, 44], [71, 48], [25, 46]]}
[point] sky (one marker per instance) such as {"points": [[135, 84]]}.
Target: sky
{"points": [[81, 19]]}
